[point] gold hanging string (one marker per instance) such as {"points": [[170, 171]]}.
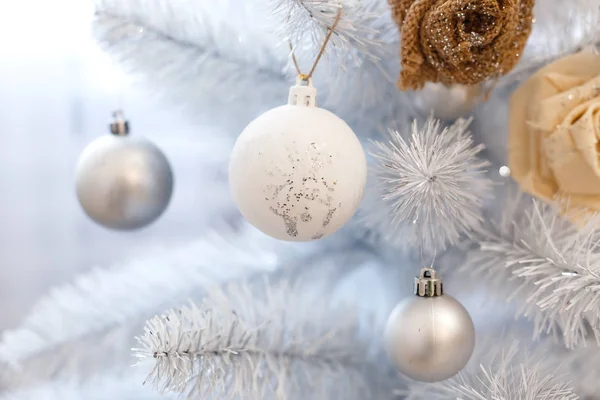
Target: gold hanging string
{"points": [[306, 77]]}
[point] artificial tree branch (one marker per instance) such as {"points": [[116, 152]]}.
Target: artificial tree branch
{"points": [[217, 62], [89, 324], [547, 264], [274, 340], [503, 368]]}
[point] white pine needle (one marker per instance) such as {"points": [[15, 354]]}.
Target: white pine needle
{"points": [[225, 63], [548, 264], [503, 372], [357, 72], [428, 190], [272, 341], [84, 326], [198, 54], [558, 30], [102, 386], [356, 30]]}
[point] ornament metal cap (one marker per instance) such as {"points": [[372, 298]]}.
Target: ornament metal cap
{"points": [[119, 126], [428, 284]]}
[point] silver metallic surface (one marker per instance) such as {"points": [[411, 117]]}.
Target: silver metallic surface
{"points": [[428, 284], [123, 182], [429, 339]]}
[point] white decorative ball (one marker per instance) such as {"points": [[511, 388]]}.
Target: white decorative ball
{"points": [[123, 182], [298, 172], [447, 102], [430, 338]]}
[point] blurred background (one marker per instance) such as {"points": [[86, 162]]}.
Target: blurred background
{"points": [[57, 93]]}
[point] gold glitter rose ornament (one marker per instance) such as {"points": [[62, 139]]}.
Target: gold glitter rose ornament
{"points": [[555, 132], [460, 41]]}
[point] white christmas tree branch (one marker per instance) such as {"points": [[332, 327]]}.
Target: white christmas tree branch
{"points": [[198, 53], [583, 366], [102, 386], [559, 30], [429, 189], [97, 315], [225, 58], [360, 29], [503, 371], [273, 341], [549, 264]]}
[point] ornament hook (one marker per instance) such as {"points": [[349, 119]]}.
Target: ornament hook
{"points": [[119, 126], [428, 284]]}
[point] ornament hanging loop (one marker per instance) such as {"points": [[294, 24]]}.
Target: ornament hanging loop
{"points": [[307, 77]]}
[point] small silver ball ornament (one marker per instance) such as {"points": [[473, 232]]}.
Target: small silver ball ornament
{"points": [[123, 182], [429, 337], [447, 102]]}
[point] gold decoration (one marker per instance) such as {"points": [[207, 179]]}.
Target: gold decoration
{"points": [[460, 41], [554, 138]]}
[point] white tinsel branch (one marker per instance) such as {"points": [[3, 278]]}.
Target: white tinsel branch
{"points": [[356, 31], [89, 324], [550, 265], [504, 372], [274, 341], [428, 190], [225, 62], [560, 29], [201, 55], [102, 386]]}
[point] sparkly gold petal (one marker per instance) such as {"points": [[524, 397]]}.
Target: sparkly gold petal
{"points": [[460, 41]]}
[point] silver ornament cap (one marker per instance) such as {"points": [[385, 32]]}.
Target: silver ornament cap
{"points": [[430, 336], [119, 126], [123, 182], [427, 284]]}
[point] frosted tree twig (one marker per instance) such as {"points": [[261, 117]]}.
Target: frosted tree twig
{"points": [[198, 53], [428, 189], [104, 385], [558, 31], [275, 341], [546, 263], [584, 369], [97, 315], [355, 33], [223, 59], [503, 371]]}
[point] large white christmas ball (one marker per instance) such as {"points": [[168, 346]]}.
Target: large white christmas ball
{"points": [[297, 173], [429, 339], [123, 182]]}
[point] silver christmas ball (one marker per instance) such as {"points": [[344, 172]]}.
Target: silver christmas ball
{"points": [[429, 337], [447, 102], [123, 182]]}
